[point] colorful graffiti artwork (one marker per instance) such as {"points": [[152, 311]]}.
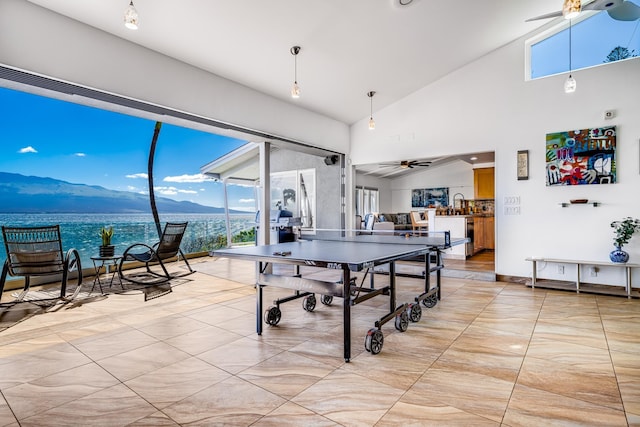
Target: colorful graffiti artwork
{"points": [[581, 157]]}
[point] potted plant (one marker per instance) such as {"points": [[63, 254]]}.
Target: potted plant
{"points": [[624, 230], [106, 249]]}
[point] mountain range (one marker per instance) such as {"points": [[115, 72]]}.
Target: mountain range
{"points": [[32, 194]]}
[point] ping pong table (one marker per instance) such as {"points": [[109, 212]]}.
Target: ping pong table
{"points": [[350, 254]]}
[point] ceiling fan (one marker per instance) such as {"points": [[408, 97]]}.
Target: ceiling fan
{"points": [[408, 164], [621, 10]]}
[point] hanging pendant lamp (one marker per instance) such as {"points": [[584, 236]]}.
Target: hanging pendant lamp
{"points": [[131, 17], [570, 84], [372, 123], [295, 89]]}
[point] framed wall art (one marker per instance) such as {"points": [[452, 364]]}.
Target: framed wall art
{"points": [[581, 157], [523, 164], [430, 197]]}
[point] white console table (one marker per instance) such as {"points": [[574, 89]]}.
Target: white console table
{"points": [[578, 264]]}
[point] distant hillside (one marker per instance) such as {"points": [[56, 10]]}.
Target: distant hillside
{"points": [[32, 194]]}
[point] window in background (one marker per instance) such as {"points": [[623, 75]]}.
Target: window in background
{"points": [[366, 200], [596, 39]]}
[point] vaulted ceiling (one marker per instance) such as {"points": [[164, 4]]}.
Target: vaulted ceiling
{"points": [[348, 47]]}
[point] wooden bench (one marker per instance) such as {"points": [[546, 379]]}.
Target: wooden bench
{"points": [[578, 263]]}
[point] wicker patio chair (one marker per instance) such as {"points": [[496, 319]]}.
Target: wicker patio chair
{"points": [[37, 251], [168, 247]]}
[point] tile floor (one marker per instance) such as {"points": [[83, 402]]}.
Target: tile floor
{"points": [[489, 353]]}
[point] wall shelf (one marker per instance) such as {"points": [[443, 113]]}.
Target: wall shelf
{"points": [[567, 204]]}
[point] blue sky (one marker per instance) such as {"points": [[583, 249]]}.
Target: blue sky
{"points": [[51, 138], [591, 41]]}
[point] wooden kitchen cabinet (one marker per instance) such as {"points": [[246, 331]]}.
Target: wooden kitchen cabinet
{"points": [[483, 183], [478, 236], [484, 233], [489, 233]]}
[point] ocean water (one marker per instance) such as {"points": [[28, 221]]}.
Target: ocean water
{"points": [[81, 231]]}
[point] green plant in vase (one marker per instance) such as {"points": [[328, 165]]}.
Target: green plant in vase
{"points": [[106, 249], [624, 230]]}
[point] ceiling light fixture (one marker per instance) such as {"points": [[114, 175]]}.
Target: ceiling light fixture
{"points": [[372, 123], [295, 89], [131, 17], [571, 9], [570, 84]]}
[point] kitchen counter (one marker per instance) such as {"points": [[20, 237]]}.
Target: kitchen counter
{"points": [[480, 215], [458, 225]]}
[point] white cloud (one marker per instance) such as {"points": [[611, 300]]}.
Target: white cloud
{"points": [[186, 178], [28, 149], [80, 155], [188, 191], [246, 200], [137, 175], [167, 191]]}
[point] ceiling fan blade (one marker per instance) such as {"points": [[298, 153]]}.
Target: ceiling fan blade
{"points": [[545, 16], [608, 5], [627, 11], [603, 4]]}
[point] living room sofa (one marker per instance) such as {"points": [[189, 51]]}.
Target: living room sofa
{"points": [[401, 221]]}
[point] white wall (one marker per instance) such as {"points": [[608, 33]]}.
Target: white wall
{"points": [[487, 106], [42, 42], [457, 175], [327, 184]]}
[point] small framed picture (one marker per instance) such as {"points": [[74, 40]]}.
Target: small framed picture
{"points": [[523, 164]]}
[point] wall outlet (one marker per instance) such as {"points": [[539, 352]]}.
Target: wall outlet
{"points": [[593, 271], [560, 269]]}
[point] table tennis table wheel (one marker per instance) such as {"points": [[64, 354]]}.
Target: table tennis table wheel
{"points": [[430, 301], [326, 299], [309, 303], [373, 341], [272, 315], [415, 312], [402, 321]]}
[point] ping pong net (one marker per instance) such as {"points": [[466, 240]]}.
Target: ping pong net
{"points": [[440, 239]]}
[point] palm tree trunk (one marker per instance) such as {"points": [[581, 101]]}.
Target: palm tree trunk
{"points": [[152, 198]]}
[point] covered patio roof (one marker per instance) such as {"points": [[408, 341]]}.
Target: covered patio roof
{"points": [[240, 165]]}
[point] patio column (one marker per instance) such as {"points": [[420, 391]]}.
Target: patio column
{"points": [[265, 192]]}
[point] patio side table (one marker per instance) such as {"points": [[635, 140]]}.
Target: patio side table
{"points": [[108, 263]]}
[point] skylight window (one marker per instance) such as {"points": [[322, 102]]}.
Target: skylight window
{"points": [[595, 40]]}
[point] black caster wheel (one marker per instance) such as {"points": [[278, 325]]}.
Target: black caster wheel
{"points": [[326, 299], [402, 321], [430, 301], [373, 341], [272, 316], [415, 312], [309, 303]]}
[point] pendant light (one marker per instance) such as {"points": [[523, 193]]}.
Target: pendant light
{"points": [[570, 84], [131, 17], [295, 89], [571, 9], [372, 123]]}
